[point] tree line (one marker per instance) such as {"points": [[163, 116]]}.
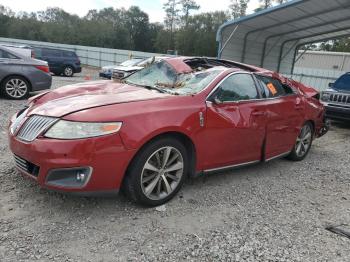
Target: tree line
{"points": [[183, 30]]}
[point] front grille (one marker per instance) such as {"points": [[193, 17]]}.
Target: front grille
{"points": [[26, 166], [340, 98], [34, 126], [118, 74]]}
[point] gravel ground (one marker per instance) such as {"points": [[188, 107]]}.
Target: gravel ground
{"points": [[276, 211]]}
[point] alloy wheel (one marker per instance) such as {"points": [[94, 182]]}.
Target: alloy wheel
{"points": [[162, 173], [16, 88], [68, 71], [303, 141]]}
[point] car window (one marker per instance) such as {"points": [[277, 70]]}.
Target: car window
{"points": [[236, 88], [68, 54], [7, 55], [271, 87], [51, 52], [37, 52], [343, 83]]}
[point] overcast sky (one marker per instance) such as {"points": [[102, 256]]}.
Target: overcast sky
{"points": [[152, 7]]}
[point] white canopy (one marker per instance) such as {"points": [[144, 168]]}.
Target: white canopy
{"points": [[271, 38]]}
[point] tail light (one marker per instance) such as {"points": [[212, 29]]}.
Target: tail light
{"points": [[43, 68]]}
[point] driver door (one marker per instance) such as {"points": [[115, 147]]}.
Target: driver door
{"points": [[236, 123]]}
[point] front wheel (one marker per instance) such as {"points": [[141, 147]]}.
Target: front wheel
{"points": [[157, 172], [303, 143]]}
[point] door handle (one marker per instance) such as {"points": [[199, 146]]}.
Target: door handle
{"points": [[258, 113]]}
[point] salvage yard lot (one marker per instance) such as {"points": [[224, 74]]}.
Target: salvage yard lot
{"points": [[275, 211]]}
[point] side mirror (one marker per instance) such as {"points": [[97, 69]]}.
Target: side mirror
{"points": [[217, 100], [330, 84]]}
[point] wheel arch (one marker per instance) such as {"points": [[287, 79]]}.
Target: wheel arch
{"points": [[183, 138]]}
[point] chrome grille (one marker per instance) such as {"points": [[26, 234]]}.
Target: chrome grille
{"points": [[340, 98], [34, 126], [118, 74]]}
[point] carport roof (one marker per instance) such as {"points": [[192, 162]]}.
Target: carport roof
{"points": [[271, 38]]}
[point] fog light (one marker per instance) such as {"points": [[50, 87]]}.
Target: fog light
{"points": [[80, 176], [69, 177]]}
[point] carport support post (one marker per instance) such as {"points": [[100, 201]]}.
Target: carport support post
{"points": [[228, 40]]}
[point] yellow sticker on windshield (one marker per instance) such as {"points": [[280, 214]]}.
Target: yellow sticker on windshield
{"points": [[272, 88]]}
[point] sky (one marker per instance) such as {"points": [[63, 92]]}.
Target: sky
{"points": [[154, 8]]}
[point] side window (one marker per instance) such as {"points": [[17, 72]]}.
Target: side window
{"points": [[68, 54], [51, 52], [272, 87], [7, 55], [236, 88]]}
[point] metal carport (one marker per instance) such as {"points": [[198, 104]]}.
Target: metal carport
{"points": [[272, 37]]}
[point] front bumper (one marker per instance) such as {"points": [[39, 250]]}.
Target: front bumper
{"points": [[106, 156], [335, 112], [105, 75]]}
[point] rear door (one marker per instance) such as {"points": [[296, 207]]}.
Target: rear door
{"points": [[235, 123], [285, 111], [54, 59]]}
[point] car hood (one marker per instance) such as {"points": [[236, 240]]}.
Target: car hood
{"points": [[109, 67], [333, 90], [128, 68], [73, 98]]}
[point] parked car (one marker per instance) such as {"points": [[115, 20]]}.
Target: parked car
{"points": [[20, 74], [337, 99], [60, 61], [126, 70], [177, 118], [106, 71], [24, 50]]}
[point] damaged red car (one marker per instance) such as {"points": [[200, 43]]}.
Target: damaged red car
{"points": [[176, 118]]}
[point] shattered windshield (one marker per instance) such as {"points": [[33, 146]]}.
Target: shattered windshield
{"points": [[162, 76]]}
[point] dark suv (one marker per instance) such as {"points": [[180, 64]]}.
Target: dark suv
{"points": [[60, 61], [337, 99]]}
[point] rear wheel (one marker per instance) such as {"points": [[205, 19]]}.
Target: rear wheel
{"points": [[68, 71], [15, 87], [303, 143], [157, 172]]}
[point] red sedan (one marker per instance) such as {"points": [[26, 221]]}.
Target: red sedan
{"points": [[179, 117]]}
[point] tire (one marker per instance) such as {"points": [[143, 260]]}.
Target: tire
{"points": [[147, 181], [68, 71], [303, 143], [15, 87]]}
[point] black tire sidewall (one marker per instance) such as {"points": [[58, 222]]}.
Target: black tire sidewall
{"points": [[133, 176], [3, 86]]}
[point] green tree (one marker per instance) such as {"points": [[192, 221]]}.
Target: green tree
{"points": [[172, 19], [187, 6], [238, 8]]}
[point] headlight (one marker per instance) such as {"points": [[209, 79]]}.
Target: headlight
{"points": [[77, 130], [325, 97]]}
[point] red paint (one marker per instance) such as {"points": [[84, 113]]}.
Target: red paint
{"points": [[233, 133]]}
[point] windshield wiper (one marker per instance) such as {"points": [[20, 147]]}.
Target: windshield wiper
{"points": [[147, 87]]}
